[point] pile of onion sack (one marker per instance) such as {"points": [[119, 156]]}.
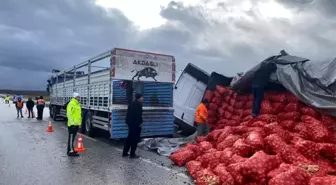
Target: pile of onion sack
{"points": [[289, 143]]}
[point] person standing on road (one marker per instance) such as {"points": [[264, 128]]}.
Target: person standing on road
{"points": [[259, 81], [134, 121], [201, 116], [74, 115], [19, 106], [30, 105], [7, 99], [40, 106]]}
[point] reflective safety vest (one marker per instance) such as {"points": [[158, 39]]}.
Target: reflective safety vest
{"points": [[19, 104], [7, 98], [74, 113], [40, 102], [201, 114]]}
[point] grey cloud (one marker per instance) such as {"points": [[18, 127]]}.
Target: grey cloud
{"points": [[327, 7], [37, 36]]}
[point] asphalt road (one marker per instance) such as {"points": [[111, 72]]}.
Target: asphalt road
{"points": [[31, 156]]}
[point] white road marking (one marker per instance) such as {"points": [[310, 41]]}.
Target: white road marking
{"points": [[142, 159]]}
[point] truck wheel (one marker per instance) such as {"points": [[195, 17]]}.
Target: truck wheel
{"points": [[54, 114], [88, 124]]}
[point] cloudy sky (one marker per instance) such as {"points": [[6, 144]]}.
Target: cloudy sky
{"points": [[227, 36]]}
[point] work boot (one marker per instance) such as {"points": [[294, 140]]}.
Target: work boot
{"points": [[134, 156], [73, 154], [125, 155]]}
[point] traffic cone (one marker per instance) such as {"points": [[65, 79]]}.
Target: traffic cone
{"points": [[49, 129], [80, 147]]}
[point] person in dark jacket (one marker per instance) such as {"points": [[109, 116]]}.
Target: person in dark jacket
{"points": [[30, 105], [40, 106], [260, 80], [134, 122]]}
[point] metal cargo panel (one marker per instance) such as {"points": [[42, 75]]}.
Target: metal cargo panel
{"points": [[155, 94], [156, 123]]}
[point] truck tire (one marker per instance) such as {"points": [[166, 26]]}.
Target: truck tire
{"points": [[54, 113], [88, 124]]}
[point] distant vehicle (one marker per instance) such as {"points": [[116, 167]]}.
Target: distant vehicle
{"points": [[104, 102]]}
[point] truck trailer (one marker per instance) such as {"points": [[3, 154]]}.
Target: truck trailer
{"points": [[104, 98]]}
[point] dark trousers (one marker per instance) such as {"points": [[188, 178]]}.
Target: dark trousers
{"points": [[19, 112], [258, 96], [30, 112], [132, 140], [71, 138], [40, 113]]}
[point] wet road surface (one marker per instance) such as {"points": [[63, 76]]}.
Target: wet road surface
{"points": [[31, 156]]}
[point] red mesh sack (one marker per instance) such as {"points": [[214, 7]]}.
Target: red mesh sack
{"points": [[291, 98], [239, 129], [266, 107], [233, 169], [224, 176], [309, 149], [232, 102], [292, 107], [227, 115], [230, 108], [225, 133], [248, 118], [217, 101], [287, 124], [256, 167], [191, 146], [193, 167], [293, 176], [208, 95], [223, 121], [248, 105], [239, 105], [290, 155], [211, 159], [212, 113], [274, 143], [227, 99], [206, 177], [213, 106], [329, 120], [227, 142], [289, 116], [258, 124], [318, 131], [217, 95], [201, 139], [255, 140], [246, 113], [282, 168], [224, 105], [221, 90], [327, 150], [212, 120], [228, 157], [182, 157], [235, 118], [278, 107], [269, 118], [213, 136], [242, 149], [329, 180], [243, 98], [308, 111], [277, 98], [274, 127], [204, 146], [232, 122], [302, 129], [221, 112], [238, 112]]}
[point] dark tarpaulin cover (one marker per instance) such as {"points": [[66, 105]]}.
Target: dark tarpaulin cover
{"points": [[313, 82]]}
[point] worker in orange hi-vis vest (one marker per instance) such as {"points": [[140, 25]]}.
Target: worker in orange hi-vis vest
{"points": [[201, 116], [40, 106], [19, 106]]}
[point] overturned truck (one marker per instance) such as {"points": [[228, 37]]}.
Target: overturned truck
{"points": [[291, 142]]}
